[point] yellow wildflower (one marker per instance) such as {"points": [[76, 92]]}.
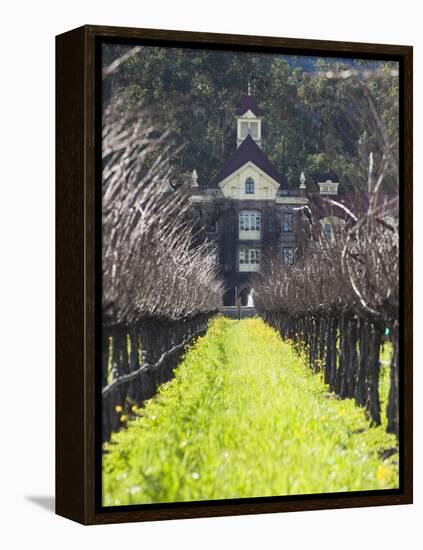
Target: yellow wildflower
{"points": [[383, 472]]}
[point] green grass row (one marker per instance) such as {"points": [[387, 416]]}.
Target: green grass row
{"points": [[244, 417]]}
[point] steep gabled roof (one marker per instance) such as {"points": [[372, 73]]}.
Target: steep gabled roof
{"points": [[249, 103], [248, 151]]}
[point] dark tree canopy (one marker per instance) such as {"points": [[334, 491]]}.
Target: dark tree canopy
{"points": [[313, 121]]}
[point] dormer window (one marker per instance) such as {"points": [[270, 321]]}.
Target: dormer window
{"points": [[249, 186], [328, 231], [328, 187]]}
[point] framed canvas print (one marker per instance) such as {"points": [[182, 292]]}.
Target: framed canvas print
{"points": [[234, 274]]}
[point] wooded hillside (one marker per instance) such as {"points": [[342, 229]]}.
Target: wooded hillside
{"points": [[318, 116]]}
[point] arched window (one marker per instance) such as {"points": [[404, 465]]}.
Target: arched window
{"points": [[249, 186]]}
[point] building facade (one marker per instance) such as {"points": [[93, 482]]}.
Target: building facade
{"points": [[247, 210]]}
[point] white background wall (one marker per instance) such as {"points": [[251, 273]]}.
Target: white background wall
{"points": [[27, 272]]}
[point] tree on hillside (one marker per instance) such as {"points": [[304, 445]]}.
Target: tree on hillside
{"points": [[314, 120]]}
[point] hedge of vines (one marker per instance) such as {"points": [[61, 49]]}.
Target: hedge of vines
{"points": [[340, 302], [159, 289]]}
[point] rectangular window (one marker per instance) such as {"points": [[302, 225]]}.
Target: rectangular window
{"points": [[244, 129], [328, 231], [249, 221], [242, 221], [288, 222], [212, 228], [254, 129], [255, 256], [288, 255], [249, 259], [249, 256]]}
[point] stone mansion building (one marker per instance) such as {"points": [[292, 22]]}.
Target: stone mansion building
{"points": [[248, 210]]}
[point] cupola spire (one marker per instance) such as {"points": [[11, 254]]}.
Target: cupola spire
{"points": [[248, 116]]}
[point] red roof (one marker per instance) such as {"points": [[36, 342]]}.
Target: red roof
{"points": [[357, 202], [248, 151], [249, 103]]}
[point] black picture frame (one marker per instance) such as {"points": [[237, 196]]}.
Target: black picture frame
{"points": [[78, 257]]}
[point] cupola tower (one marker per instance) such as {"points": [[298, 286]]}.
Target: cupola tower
{"points": [[248, 116]]}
